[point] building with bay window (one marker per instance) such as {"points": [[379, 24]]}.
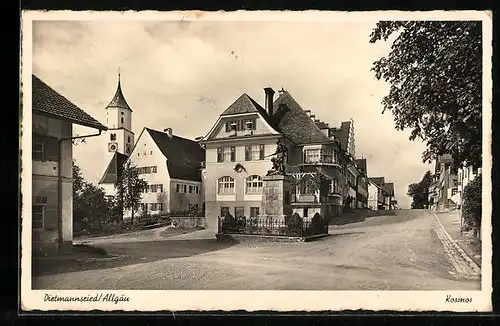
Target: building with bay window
{"points": [[242, 141]]}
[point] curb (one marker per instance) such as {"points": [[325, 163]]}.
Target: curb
{"points": [[459, 258]]}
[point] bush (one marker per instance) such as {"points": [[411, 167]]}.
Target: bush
{"points": [[294, 225], [471, 205]]}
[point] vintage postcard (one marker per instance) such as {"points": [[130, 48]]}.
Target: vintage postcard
{"points": [[287, 161]]}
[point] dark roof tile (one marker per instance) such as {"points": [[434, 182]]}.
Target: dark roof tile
{"points": [[47, 101], [294, 122], [114, 169], [184, 156]]}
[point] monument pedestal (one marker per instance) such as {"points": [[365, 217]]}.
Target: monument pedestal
{"points": [[276, 199]]}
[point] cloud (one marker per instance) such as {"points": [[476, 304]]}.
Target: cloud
{"points": [[184, 74]]}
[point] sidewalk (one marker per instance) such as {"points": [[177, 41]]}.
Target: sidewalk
{"points": [[465, 240]]}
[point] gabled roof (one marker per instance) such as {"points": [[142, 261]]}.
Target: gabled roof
{"points": [[244, 104], [361, 163], [119, 100], [342, 134], [114, 169], [47, 101], [379, 181], [389, 188], [294, 122], [183, 156]]}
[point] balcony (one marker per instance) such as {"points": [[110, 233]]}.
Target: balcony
{"points": [[320, 156]]}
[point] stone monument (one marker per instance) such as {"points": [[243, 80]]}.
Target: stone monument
{"points": [[277, 186]]}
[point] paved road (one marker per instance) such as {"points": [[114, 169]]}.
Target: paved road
{"points": [[393, 252]]}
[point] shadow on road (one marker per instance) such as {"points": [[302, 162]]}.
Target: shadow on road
{"points": [[124, 254], [360, 216]]}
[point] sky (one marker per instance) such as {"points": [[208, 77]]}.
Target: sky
{"points": [[183, 74]]}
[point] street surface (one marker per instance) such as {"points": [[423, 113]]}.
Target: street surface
{"points": [[398, 251]]}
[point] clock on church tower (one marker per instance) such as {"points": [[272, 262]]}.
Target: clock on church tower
{"points": [[119, 123]]}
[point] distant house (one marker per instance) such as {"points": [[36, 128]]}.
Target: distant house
{"points": [[388, 190], [362, 184], [376, 193], [464, 176], [444, 186], [52, 156], [171, 165]]}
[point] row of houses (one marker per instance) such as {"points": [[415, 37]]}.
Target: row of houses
{"points": [[219, 173], [446, 190]]}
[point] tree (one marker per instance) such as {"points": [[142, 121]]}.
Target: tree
{"points": [[129, 187], [420, 192], [434, 71], [90, 208]]}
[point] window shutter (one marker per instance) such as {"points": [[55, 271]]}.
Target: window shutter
{"points": [[219, 155], [51, 148], [233, 154], [50, 217], [261, 154], [248, 153], [228, 126]]}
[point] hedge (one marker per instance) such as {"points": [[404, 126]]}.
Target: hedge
{"points": [[471, 204]]}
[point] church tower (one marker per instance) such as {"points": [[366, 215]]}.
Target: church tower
{"points": [[119, 123]]}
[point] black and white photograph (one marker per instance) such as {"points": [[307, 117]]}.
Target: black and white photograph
{"points": [[256, 161]]}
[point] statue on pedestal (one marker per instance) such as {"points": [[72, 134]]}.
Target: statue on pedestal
{"points": [[279, 159]]}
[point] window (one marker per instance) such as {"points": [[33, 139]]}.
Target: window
{"points": [[147, 169], [226, 154], [224, 211], [45, 148], [152, 206], [311, 155], [226, 185], [38, 211], [121, 119], [128, 139], [254, 211], [191, 190], [453, 192], [250, 124], [239, 212], [178, 188], [151, 153], [122, 113], [254, 152], [153, 168], [112, 137], [327, 155], [334, 187], [144, 207], [159, 188], [254, 184], [193, 206], [138, 154]]}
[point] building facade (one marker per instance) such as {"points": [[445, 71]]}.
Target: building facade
{"points": [[242, 141], [52, 158]]}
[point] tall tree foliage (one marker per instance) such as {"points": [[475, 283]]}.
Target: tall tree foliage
{"points": [[129, 187], [434, 72], [420, 192], [90, 207]]}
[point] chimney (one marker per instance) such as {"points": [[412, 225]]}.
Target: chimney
{"points": [[168, 131], [269, 100]]}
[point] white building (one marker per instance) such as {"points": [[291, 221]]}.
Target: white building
{"points": [[171, 165], [464, 176]]}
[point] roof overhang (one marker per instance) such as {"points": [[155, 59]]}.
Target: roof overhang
{"points": [[75, 121]]}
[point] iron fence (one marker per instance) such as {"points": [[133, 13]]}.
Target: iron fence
{"points": [[272, 226]]}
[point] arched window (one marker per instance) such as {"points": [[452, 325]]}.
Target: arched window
{"points": [[121, 120], [225, 185], [253, 184]]}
